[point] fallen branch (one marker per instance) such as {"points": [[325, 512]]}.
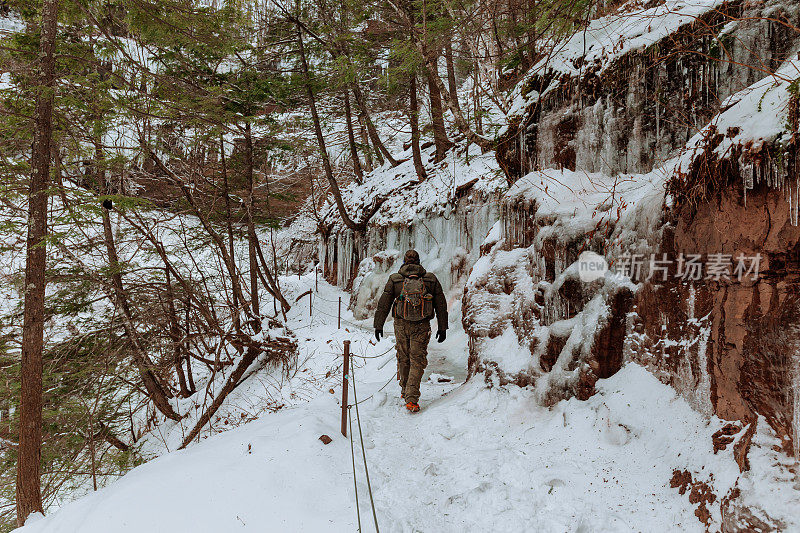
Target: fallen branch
{"points": [[279, 348], [304, 294], [105, 434]]}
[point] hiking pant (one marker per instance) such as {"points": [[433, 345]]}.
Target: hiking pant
{"points": [[411, 341]]}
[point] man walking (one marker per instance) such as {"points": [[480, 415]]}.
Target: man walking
{"points": [[413, 296]]}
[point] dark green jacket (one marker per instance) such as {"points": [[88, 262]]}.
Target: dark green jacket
{"points": [[395, 286]]}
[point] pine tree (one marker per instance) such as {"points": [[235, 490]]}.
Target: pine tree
{"points": [[29, 496]]}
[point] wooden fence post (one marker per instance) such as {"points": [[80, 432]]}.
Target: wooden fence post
{"points": [[345, 385]]}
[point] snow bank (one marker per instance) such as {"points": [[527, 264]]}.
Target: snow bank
{"points": [[258, 477], [568, 204], [603, 465]]}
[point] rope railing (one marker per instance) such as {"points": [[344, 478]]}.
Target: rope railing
{"points": [[348, 380], [363, 450], [342, 319], [353, 456], [374, 393], [325, 299], [374, 356]]}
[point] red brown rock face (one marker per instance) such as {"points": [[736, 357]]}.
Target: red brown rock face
{"points": [[754, 338]]}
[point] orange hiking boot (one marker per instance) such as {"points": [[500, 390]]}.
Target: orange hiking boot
{"points": [[412, 407]]}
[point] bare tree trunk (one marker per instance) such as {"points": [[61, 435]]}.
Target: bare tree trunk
{"points": [[440, 139], [226, 192], [175, 335], [413, 118], [380, 148], [232, 382], [251, 229], [28, 490], [92, 451], [155, 389], [352, 138], [365, 141], [326, 162], [451, 71], [189, 375], [272, 242]]}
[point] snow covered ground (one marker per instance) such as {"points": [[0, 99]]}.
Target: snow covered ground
{"points": [[478, 457]]}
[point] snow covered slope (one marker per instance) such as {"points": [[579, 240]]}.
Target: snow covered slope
{"points": [[479, 457]]}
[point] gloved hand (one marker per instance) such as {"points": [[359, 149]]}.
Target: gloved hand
{"points": [[378, 334], [441, 335]]}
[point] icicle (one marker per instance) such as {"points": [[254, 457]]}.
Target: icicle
{"points": [[796, 398], [796, 200], [658, 120], [703, 391], [748, 175], [745, 195], [793, 197]]}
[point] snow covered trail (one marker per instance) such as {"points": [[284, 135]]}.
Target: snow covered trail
{"points": [[476, 458], [481, 460], [493, 460]]}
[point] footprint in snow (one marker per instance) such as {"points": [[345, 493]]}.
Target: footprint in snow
{"points": [[431, 470], [611, 431], [555, 483], [465, 498], [380, 399]]}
